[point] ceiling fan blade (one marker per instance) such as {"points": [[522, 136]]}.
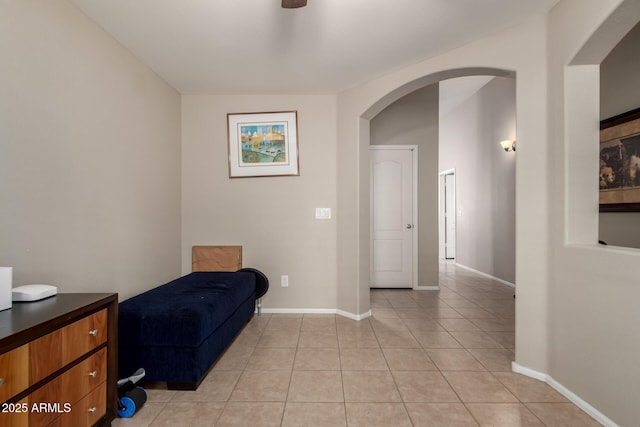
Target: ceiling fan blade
{"points": [[293, 4]]}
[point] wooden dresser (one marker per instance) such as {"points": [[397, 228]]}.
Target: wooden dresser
{"points": [[58, 361]]}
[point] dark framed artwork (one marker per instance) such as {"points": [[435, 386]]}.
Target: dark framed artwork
{"points": [[619, 173], [263, 144]]}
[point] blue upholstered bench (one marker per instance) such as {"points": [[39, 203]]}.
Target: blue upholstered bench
{"points": [[176, 331]]}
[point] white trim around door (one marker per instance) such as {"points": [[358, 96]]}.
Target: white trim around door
{"points": [[447, 215]]}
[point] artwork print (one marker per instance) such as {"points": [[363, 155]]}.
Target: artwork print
{"points": [[263, 144], [619, 172], [620, 163]]}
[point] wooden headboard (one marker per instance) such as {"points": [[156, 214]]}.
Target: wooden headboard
{"points": [[216, 258]]}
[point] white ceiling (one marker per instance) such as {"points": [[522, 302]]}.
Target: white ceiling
{"points": [[255, 46]]}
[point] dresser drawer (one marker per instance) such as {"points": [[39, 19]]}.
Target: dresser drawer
{"points": [[45, 356], [78, 381], [15, 414], [64, 393], [84, 335], [14, 372], [88, 410], [45, 403], [53, 351]]}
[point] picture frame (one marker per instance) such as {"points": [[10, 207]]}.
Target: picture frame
{"points": [[619, 172], [263, 144]]}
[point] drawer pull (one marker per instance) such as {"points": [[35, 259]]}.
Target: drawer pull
{"points": [[1, 382], [93, 374], [93, 332], [94, 409]]}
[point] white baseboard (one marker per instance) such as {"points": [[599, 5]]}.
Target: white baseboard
{"points": [[571, 396], [298, 310], [582, 404], [316, 311], [519, 369], [497, 279], [426, 288], [354, 316]]}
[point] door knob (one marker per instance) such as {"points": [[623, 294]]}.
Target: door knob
{"points": [[409, 225]]}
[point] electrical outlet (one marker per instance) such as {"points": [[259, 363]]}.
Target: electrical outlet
{"points": [[284, 281]]}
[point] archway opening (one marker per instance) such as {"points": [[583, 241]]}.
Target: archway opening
{"points": [[365, 139]]}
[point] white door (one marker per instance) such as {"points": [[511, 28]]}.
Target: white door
{"points": [[448, 215], [392, 217]]}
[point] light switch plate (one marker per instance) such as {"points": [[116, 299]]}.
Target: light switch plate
{"points": [[323, 213]]}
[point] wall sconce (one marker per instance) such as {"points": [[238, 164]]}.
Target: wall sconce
{"points": [[508, 145]]}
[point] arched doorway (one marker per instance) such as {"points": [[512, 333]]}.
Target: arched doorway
{"points": [[357, 106], [404, 91], [454, 123]]}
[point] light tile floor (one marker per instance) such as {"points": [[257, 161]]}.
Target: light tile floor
{"points": [[424, 358]]}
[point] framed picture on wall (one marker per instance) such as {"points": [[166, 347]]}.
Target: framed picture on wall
{"points": [[263, 144], [619, 173]]}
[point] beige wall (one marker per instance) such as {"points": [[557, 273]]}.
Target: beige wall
{"points": [[89, 156], [273, 218], [594, 291], [619, 91], [413, 120], [485, 177]]}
